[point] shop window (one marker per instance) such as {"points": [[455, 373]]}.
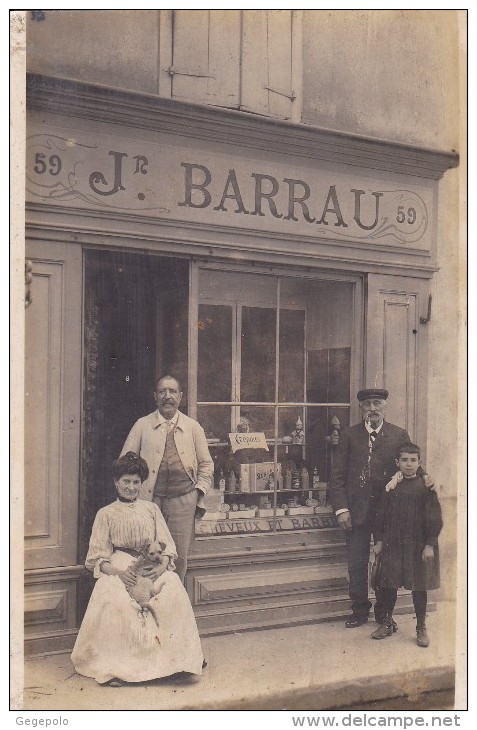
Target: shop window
{"points": [[241, 59], [291, 392]]}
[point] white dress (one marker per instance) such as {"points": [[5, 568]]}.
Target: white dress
{"points": [[116, 638]]}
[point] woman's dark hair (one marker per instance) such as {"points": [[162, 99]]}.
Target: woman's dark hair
{"points": [[130, 463]]}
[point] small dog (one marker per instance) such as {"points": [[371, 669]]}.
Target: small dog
{"points": [[143, 589]]}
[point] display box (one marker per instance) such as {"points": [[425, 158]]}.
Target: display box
{"points": [[240, 514], [301, 510], [324, 510], [256, 477], [269, 512], [214, 516]]}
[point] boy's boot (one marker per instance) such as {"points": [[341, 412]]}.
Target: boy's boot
{"points": [[385, 629], [422, 637], [378, 617]]}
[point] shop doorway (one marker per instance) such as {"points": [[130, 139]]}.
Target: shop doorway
{"points": [[135, 328]]}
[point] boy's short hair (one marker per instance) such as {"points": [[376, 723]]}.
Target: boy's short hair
{"points": [[408, 448], [131, 464]]}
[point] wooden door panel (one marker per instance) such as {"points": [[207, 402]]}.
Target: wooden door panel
{"points": [[43, 339], [52, 405], [396, 349]]}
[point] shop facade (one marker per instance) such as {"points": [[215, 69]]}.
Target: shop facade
{"points": [[274, 269]]}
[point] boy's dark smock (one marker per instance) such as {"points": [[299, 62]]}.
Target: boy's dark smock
{"points": [[407, 518]]}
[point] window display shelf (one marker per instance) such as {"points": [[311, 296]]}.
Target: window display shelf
{"points": [[271, 442], [279, 491]]}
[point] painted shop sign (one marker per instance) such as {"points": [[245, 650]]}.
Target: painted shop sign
{"points": [[166, 181], [261, 524]]}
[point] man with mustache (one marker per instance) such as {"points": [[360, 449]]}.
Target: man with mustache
{"points": [[180, 466], [364, 461]]}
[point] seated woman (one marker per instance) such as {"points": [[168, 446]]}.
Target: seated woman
{"points": [[118, 641]]}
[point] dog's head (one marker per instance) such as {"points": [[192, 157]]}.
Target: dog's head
{"points": [[155, 550]]}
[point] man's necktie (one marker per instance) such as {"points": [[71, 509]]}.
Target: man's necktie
{"points": [[373, 436]]}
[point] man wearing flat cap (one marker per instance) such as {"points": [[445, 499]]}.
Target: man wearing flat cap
{"points": [[363, 464]]}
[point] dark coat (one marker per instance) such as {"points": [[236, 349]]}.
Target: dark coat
{"points": [[358, 476], [408, 518]]}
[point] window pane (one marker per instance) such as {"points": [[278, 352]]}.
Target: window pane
{"points": [[257, 382], [215, 420], [329, 331], [329, 375], [292, 355], [260, 419], [214, 376]]}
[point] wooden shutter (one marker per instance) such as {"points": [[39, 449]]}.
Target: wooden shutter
{"points": [[397, 348], [206, 56], [247, 59], [267, 62]]}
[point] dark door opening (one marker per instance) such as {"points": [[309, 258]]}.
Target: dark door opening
{"points": [[135, 329]]}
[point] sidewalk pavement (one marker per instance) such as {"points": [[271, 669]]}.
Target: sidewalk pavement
{"points": [[312, 667]]}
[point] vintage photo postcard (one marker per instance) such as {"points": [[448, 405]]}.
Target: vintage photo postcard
{"points": [[238, 300]]}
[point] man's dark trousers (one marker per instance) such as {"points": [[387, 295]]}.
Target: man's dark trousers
{"points": [[358, 541]]}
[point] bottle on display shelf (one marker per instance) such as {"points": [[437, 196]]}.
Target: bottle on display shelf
{"points": [[316, 478], [287, 481], [296, 478], [305, 478], [231, 484], [221, 480]]}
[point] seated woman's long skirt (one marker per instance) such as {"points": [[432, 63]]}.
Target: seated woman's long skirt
{"points": [[118, 639]]}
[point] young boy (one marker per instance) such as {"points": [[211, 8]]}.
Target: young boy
{"points": [[408, 523]]}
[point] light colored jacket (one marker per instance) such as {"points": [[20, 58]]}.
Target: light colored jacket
{"points": [[148, 439]]}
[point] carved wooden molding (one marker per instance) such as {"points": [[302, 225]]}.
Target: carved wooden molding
{"points": [[146, 111], [61, 573], [260, 585], [45, 607], [46, 223], [56, 642], [299, 554]]}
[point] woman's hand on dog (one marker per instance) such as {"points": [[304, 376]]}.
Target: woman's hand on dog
{"points": [[128, 577], [154, 571]]}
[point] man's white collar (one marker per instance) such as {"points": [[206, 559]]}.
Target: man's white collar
{"points": [[162, 420]]}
